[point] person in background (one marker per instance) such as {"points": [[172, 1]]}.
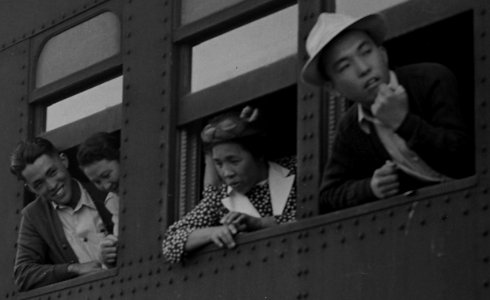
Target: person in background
{"points": [[98, 158], [254, 194], [405, 129], [61, 230]]}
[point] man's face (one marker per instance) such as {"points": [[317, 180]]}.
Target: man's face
{"points": [[49, 178], [104, 174], [356, 66]]}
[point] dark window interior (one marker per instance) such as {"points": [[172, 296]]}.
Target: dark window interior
{"points": [[448, 42]]}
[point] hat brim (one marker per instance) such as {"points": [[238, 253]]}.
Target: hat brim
{"points": [[374, 25]]}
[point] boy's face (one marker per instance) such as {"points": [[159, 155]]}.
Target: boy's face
{"points": [[355, 66], [49, 178]]}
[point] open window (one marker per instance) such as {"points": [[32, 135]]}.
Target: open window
{"points": [[253, 64], [77, 90]]}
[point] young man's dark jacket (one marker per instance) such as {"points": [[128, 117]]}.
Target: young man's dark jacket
{"points": [[43, 252], [434, 128]]}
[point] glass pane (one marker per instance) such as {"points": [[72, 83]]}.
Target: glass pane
{"points": [[193, 10], [78, 48], [246, 48], [84, 104], [358, 8]]}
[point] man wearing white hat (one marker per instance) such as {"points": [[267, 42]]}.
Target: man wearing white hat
{"points": [[405, 129]]}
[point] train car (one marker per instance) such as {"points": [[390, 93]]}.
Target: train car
{"points": [[152, 72]]}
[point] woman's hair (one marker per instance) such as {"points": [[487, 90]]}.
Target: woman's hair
{"points": [[26, 152], [97, 147], [231, 127]]}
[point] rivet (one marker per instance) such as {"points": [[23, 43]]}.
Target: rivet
{"points": [[444, 217], [485, 233], [486, 284]]}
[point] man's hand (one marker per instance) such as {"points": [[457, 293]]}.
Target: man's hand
{"points": [[108, 250], [384, 182], [85, 268], [222, 236], [390, 106]]}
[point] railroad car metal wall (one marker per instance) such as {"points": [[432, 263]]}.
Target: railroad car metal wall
{"points": [[431, 245]]}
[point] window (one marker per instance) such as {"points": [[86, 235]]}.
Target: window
{"points": [[78, 48], [193, 10], [84, 104], [244, 49], [361, 8]]}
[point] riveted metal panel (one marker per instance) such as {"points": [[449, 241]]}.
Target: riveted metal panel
{"points": [[28, 18], [147, 134], [482, 92], [13, 106], [312, 109]]}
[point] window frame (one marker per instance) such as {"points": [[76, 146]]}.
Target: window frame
{"points": [[79, 81], [193, 107]]}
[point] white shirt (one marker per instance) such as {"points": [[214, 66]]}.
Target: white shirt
{"points": [[83, 227]]}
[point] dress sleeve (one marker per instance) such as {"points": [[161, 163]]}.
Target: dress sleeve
{"points": [[31, 269], [206, 214]]}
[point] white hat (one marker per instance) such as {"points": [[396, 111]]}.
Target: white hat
{"points": [[327, 27]]}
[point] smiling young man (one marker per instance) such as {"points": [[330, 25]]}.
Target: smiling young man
{"points": [[61, 231], [404, 131]]}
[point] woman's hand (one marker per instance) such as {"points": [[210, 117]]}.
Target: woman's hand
{"points": [[244, 222], [222, 236]]}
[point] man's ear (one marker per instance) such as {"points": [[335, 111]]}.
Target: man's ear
{"points": [[27, 186], [64, 159], [384, 54]]}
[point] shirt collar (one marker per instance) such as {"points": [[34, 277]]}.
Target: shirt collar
{"points": [[84, 200]]}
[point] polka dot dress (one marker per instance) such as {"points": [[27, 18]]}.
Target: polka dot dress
{"points": [[210, 210]]}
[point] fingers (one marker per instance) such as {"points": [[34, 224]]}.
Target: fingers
{"points": [[223, 236], [234, 218], [384, 182], [387, 169]]}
